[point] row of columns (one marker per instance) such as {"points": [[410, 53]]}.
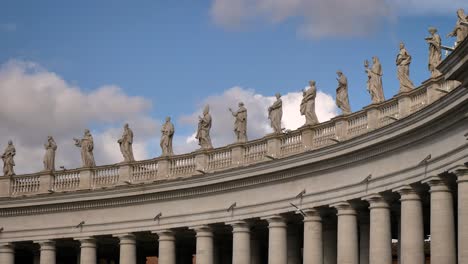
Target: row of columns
{"points": [[411, 237]]}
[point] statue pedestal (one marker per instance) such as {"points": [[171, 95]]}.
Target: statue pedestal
{"points": [[46, 180], [163, 168], [237, 153], [341, 126], [307, 134], [125, 173], [86, 179], [433, 89], [5, 186], [273, 145], [372, 116]]}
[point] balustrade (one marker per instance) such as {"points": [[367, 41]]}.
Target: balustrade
{"points": [[144, 171], [105, 176], [182, 166], [66, 180], [324, 135], [291, 143], [357, 124], [255, 152], [25, 184], [388, 113], [220, 159]]}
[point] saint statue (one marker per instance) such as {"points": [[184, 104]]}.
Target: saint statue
{"points": [[87, 145], [342, 100], [403, 61], [8, 159], [308, 104], [49, 157], [435, 51], [275, 113], [167, 133], [240, 125], [374, 81], [125, 143], [204, 126], [460, 31]]}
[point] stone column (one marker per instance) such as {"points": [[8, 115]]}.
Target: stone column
{"points": [[167, 248], [47, 251], [443, 248], [412, 229], [462, 181], [348, 244], [88, 250], [128, 254], [313, 245], [7, 253], [380, 237], [277, 237], [204, 244], [240, 242]]}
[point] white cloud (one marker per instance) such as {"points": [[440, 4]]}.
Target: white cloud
{"points": [[37, 103], [325, 18], [257, 122]]}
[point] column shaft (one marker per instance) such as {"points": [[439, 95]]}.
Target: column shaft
{"points": [[7, 253], [204, 253], [412, 229], [462, 182], [241, 247], [313, 243], [128, 253], [380, 236], [348, 246], [167, 248], [88, 251], [47, 252], [277, 240]]}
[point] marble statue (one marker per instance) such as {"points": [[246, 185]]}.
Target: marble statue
{"points": [[342, 100], [460, 31], [8, 159], [204, 126], [435, 51], [125, 143], [167, 133], [308, 104], [87, 145], [403, 61], [240, 125], [374, 81], [275, 113], [49, 157]]}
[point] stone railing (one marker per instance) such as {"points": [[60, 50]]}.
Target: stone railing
{"points": [[200, 162]]}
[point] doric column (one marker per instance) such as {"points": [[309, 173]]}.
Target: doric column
{"points": [[443, 249], [348, 243], [313, 244], [277, 240], [204, 236], [47, 251], [380, 236], [167, 248], [7, 253], [128, 252], [412, 229], [87, 250], [240, 242], [462, 181]]}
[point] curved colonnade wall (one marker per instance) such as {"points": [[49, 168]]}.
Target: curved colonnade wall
{"points": [[337, 192]]}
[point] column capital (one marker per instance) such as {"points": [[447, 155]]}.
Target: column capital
{"points": [[311, 215], [87, 242], [126, 238], [240, 226], [376, 200], [462, 175], [47, 244], [7, 247], [344, 208], [437, 184], [407, 193], [165, 235], [203, 231], [275, 221]]}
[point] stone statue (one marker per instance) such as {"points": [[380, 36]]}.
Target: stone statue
{"points": [[435, 51], [125, 143], [460, 31], [403, 61], [87, 145], [374, 81], [275, 113], [204, 126], [8, 159], [240, 125], [49, 157], [167, 133], [342, 100], [308, 104]]}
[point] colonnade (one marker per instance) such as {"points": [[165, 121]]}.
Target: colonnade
{"points": [[316, 237]]}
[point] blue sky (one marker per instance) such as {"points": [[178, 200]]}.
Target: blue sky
{"points": [[176, 54]]}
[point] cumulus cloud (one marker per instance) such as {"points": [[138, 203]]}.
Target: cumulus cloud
{"points": [[37, 103], [324, 18], [258, 123]]}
